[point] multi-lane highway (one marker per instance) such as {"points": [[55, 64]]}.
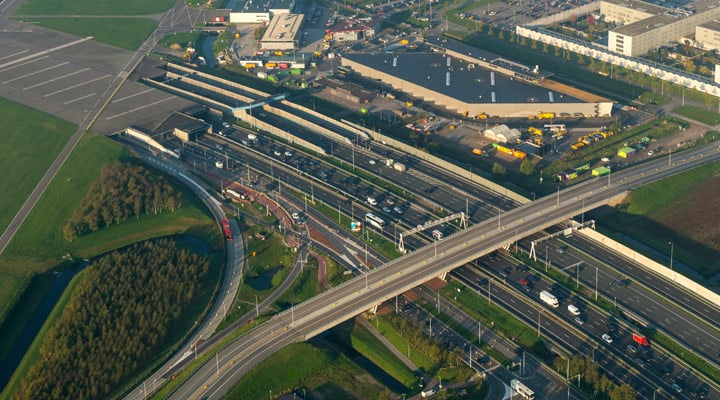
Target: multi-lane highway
{"points": [[343, 302]]}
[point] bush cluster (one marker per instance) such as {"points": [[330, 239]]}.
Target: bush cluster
{"points": [[120, 192]]}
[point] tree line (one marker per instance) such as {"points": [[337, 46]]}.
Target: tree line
{"points": [[121, 191], [121, 314], [593, 380]]}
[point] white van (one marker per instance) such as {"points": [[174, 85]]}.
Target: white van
{"points": [[573, 310], [437, 234], [372, 201]]}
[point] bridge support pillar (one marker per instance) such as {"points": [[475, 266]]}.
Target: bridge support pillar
{"points": [[443, 276], [373, 309]]}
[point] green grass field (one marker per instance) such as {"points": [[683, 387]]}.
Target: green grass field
{"points": [[125, 33], [93, 7], [676, 209], [30, 145], [181, 39], [699, 114]]}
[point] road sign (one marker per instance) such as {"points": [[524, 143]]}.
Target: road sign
{"points": [[356, 226]]}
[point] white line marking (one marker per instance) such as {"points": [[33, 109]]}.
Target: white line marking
{"points": [[16, 54], [23, 64], [37, 72], [139, 108], [56, 79], [44, 52], [132, 95], [80, 98], [78, 85]]}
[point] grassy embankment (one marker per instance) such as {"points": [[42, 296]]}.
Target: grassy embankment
{"points": [[699, 114]]}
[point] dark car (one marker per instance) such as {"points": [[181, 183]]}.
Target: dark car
{"points": [[505, 272], [521, 267], [484, 359]]}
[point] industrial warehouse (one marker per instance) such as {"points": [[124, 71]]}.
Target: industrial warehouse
{"points": [[476, 83]]}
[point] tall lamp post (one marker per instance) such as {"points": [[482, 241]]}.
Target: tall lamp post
{"points": [[671, 254]]}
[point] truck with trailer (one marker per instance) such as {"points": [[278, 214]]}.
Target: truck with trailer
{"points": [[549, 299]]}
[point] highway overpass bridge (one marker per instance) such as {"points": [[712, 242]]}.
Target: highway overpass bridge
{"points": [[341, 303]]}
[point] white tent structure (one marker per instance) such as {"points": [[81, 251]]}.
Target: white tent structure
{"points": [[502, 134]]}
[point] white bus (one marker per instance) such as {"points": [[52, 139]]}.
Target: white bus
{"points": [[521, 389], [374, 220]]}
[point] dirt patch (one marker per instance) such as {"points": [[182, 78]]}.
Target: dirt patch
{"points": [[696, 214], [386, 308], [319, 236], [411, 295], [436, 284]]}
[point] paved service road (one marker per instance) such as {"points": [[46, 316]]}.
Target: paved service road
{"points": [[343, 302]]}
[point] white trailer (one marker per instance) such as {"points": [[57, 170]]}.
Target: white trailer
{"points": [[521, 389], [549, 299]]}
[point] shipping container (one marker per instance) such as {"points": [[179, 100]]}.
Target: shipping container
{"points": [[625, 152], [296, 71], [283, 65], [519, 154]]}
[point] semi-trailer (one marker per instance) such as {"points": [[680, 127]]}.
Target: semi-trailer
{"points": [[549, 299]]}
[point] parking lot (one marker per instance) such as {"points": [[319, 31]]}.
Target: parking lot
{"points": [[65, 76]]}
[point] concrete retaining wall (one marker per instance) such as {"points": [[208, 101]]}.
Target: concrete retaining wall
{"points": [[243, 115], [654, 266], [317, 128], [340, 124]]}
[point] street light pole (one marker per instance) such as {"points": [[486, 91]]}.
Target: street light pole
{"points": [[671, 254], [596, 282], [538, 327]]}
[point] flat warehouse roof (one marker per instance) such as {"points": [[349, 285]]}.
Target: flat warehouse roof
{"points": [[468, 82], [283, 28]]}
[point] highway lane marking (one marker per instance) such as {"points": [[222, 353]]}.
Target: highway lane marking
{"points": [[139, 108], [23, 64], [56, 79], [80, 98], [78, 85], [131, 96], [14, 54], [37, 72]]}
